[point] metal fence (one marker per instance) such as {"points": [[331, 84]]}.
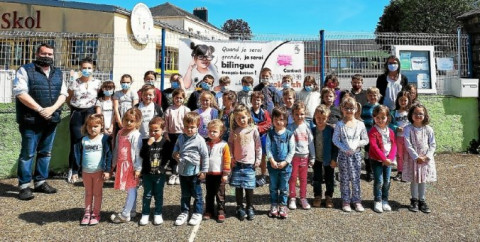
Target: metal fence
{"points": [[345, 53]]}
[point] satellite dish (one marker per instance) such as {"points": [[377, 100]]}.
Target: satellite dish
{"points": [[141, 22]]}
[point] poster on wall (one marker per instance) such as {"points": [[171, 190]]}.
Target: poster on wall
{"points": [[237, 59], [418, 65]]}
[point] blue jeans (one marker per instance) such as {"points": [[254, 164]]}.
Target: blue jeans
{"points": [[279, 184], [381, 182], [190, 186], [153, 185], [36, 140]]}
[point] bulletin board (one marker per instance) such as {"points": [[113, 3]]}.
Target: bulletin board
{"points": [[417, 63]]}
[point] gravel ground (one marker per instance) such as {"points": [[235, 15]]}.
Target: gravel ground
{"points": [[454, 200]]}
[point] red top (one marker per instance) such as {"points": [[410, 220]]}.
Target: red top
{"points": [[376, 151], [157, 99]]}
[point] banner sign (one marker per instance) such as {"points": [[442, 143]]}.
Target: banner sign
{"points": [[237, 59]]}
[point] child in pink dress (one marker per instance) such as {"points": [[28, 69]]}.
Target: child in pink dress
{"points": [[128, 162]]}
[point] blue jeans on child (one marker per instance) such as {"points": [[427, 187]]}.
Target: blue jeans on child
{"points": [[279, 184], [36, 140], [153, 186], [381, 182], [190, 186]]}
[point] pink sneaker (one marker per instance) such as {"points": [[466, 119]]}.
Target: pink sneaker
{"points": [[94, 220], [305, 204], [85, 219]]}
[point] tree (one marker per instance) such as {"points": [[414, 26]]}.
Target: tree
{"points": [[238, 29], [423, 16]]}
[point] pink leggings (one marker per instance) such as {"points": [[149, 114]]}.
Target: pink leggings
{"points": [[93, 183], [299, 169], [400, 152]]}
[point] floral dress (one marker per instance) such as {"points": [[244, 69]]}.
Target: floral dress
{"points": [[125, 175], [419, 141]]}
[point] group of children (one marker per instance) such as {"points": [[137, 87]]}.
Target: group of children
{"points": [[224, 145]]}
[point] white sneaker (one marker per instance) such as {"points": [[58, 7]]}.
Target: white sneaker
{"points": [[157, 219], [171, 180], [69, 176], [177, 180], [144, 220], [346, 207], [359, 207], [386, 207], [377, 207], [195, 219], [292, 204], [181, 219]]}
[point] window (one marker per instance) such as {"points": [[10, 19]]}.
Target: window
{"points": [[17, 52], [81, 48], [171, 58]]}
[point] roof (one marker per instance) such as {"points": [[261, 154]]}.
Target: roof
{"points": [[169, 10], [73, 5], [97, 7], [469, 14]]}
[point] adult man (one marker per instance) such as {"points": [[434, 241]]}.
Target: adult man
{"points": [[40, 92]]}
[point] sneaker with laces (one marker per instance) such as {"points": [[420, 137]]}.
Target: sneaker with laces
{"points": [[250, 213], [328, 202], [157, 219], [196, 219], [119, 218], [386, 207], [261, 181], [305, 204], [45, 188], [144, 220], [273, 211], [413, 205], [398, 177], [94, 219], [25, 194], [424, 207], [177, 180], [377, 207], [359, 207], [292, 204], [283, 212], [171, 180], [85, 219], [240, 211], [181, 219], [346, 207], [317, 202]]}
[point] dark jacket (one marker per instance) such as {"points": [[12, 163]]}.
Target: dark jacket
{"points": [[106, 155], [330, 151], [382, 84], [44, 90]]}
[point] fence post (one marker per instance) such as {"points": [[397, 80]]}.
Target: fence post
{"points": [[322, 56], [459, 51], [162, 62], [469, 56]]}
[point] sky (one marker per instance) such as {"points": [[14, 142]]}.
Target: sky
{"points": [[303, 17]]}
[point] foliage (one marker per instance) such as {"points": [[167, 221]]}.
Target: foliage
{"points": [[238, 29], [422, 16]]}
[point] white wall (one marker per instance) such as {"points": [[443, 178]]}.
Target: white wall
{"points": [[130, 57]]}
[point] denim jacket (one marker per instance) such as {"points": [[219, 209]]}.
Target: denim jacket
{"points": [[330, 151], [280, 147], [106, 155]]}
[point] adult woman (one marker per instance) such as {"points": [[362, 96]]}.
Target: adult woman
{"points": [[391, 82], [82, 96]]}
